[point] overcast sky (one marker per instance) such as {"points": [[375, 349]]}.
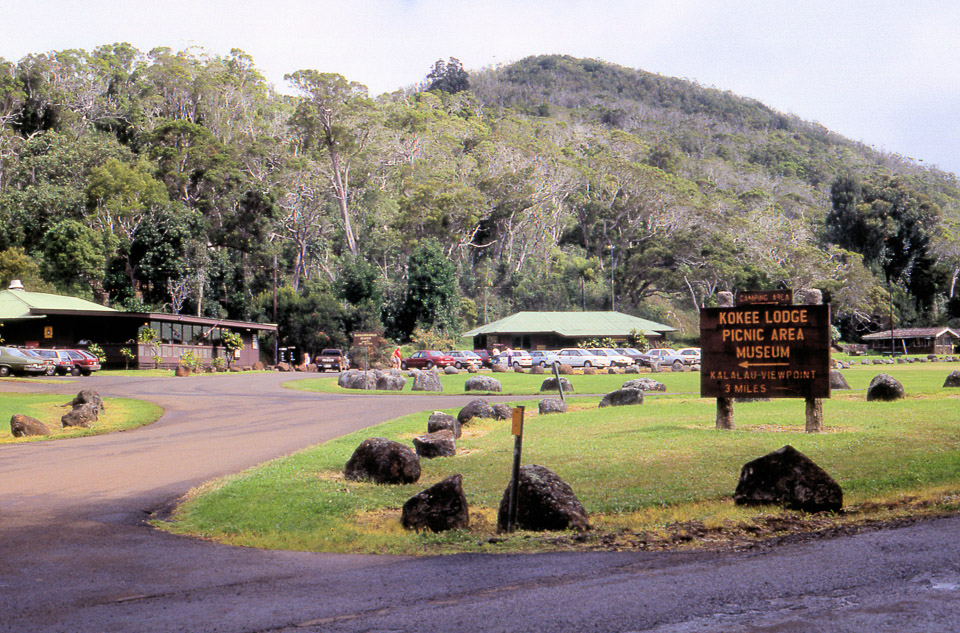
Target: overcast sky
{"points": [[886, 73]]}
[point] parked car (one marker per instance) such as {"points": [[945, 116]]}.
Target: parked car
{"points": [[49, 367], [427, 359], [18, 362], [690, 355], [484, 357], [544, 358], [515, 358], [632, 353], [332, 359], [83, 362], [662, 355], [463, 358], [616, 358], [576, 357], [61, 360]]}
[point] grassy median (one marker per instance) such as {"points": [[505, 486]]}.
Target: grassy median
{"points": [[651, 476], [121, 414]]}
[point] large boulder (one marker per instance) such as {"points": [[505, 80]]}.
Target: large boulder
{"points": [[388, 381], [25, 426], [442, 506], [438, 444], [544, 502], [475, 409], [550, 384], [439, 421], [953, 380], [427, 381], [551, 405], [838, 380], [644, 384], [85, 396], [383, 461], [356, 379], [482, 383], [284, 367], [884, 388], [537, 369], [258, 366], [565, 370], [622, 397], [81, 415], [788, 478]]}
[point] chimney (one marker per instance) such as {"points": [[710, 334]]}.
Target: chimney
{"points": [[15, 285]]}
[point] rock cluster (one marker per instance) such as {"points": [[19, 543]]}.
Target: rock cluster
{"points": [[87, 406]]}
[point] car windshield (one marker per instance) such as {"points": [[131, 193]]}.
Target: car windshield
{"points": [[15, 352]]}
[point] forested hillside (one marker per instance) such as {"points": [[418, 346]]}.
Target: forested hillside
{"points": [[184, 182]]}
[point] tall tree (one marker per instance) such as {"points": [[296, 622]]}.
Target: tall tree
{"points": [[448, 76]]}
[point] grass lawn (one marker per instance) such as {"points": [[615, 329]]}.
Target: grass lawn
{"points": [[650, 476], [121, 414]]}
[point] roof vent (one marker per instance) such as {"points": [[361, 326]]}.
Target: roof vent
{"points": [[15, 285]]}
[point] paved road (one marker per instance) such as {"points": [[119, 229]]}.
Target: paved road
{"points": [[75, 556]]}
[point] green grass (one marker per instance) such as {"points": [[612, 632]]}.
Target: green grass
{"points": [[638, 467], [121, 414]]}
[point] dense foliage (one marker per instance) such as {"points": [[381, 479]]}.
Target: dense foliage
{"points": [[184, 182]]}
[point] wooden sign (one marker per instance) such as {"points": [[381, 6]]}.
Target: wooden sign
{"points": [[765, 351], [364, 339], [765, 297], [517, 426]]}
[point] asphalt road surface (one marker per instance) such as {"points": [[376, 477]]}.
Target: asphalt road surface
{"points": [[76, 556]]}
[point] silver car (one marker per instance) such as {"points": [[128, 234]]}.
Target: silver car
{"points": [[544, 358]]}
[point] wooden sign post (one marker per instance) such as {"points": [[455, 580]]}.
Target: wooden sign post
{"points": [[764, 348], [365, 340], [517, 431]]}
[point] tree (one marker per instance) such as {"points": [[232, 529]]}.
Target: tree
{"points": [[432, 297], [448, 77]]}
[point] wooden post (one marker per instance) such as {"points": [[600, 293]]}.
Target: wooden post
{"points": [[814, 408], [725, 405]]}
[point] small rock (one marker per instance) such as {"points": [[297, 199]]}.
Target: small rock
{"points": [[502, 411], [565, 370], [537, 369], [258, 366], [837, 380], [181, 371], [550, 384], [631, 369], [440, 507], [451, 370], [25, 426], [81, 415]]}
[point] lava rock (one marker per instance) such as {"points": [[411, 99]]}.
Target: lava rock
{"points": [[438, 444], [81, 415], [356, 379], [383, 461], [482, 383], [837, 380], [442, 506], [551, 405], [622, 397], [85, 396], [475, 409], [388, 381], [550, 384], [544, 502], [788, 478], [427, 381], [451, 370], [953, 380], [25, 426], [884, 388], [644, 384], [439, 421], [502, 411]]}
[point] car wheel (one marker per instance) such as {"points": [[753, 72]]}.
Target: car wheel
{"points": [[75, 371], [51, 370], [403, 366], [458, 365], [543, 364], [587, 364], [429, 365], [4, 371], [516, 365]]}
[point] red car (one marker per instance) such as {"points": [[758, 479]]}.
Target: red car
{"points": [[427, 359], [83, 362]]}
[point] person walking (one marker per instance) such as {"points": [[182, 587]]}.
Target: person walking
{"points": [[396, 358]]}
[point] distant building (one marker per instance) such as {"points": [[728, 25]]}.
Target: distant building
{"points": [[924, 340], [39, 319], [554, 330]]}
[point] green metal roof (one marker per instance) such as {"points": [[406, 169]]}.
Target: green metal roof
{"points": [[20, 304], [572, 324]]}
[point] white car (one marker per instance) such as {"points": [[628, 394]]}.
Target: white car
{"points": [[544, 358], [518, 359], [659, 356], [690, 355], [618, 359], [576, 357]]}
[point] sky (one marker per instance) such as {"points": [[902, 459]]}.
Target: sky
{"points": [[886, 73]]}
